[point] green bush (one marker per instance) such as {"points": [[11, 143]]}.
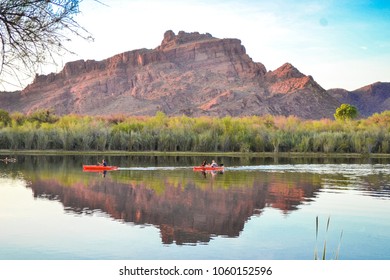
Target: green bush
{"points": [[43, 130]]}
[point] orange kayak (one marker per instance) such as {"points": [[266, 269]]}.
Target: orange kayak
{"points": [[208, 168], [98, 168]]}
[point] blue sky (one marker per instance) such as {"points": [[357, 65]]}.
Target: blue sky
{"points": [[340, 43]]}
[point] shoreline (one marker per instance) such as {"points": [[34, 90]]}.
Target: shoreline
{"points": [[227, 154]]}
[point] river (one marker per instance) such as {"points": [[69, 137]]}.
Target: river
{"points": [[157, 207]]}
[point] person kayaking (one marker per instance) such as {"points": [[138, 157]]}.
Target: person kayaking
{"points": [[213, 163], [7, 160], [103, 163], [204, 163]]}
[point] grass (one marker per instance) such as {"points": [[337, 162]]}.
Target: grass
{"points": [[270, 134], [324, 250], [185, 153]]}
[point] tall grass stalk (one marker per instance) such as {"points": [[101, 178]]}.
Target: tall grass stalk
{"points": [[42, 130], [324, 250]]}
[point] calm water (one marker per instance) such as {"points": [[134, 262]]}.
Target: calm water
{"points": [[158, 208]]}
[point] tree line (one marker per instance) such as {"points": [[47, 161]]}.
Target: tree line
{"points": [[43, 130]]}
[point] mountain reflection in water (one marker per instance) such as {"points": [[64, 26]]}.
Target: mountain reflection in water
{"points": [[186, 210], [190, 207]]}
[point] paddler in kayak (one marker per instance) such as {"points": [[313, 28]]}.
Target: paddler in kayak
{"points": [[213, 164], [103, 163]]}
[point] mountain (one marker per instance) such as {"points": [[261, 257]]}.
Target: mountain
{"points": [[374, 98], [189, 73]]}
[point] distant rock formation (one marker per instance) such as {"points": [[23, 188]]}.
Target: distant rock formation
{"points": [[374, 98], [189, 73]]}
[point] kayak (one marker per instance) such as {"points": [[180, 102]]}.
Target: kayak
{"points": [[208, 168], [98, 168]]}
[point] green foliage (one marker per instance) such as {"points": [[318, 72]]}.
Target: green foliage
{"points": [[44, 130], [18, 119], [346, 112], [42, 116], [5, 118]]}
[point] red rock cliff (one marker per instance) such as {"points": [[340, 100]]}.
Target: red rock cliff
{"points": [[189, 73]]}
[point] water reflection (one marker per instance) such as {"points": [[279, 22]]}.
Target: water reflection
{"points": [[188, 207]]}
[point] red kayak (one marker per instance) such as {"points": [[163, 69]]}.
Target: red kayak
{"points": [[99, 168], [208, 168]]}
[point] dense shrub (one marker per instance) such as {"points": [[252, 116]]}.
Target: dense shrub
{"points": [[43, 130]]}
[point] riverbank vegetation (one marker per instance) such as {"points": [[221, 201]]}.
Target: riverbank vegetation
{"points": [[43, 130]]}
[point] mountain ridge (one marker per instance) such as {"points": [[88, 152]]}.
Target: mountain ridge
{"points": [[369, 99], [188, 73]]}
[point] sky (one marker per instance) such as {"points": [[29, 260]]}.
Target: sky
{"points": [[341, 43]]}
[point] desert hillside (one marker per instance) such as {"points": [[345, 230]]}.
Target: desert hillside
{"points": [[187, 74]]}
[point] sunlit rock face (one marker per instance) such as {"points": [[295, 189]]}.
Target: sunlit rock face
{"points": [[188, 74], [370, 99]]}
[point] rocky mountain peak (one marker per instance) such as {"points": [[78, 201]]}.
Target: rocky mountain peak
{"points": [[286, 71], [172, 40], [378, 88], [189, 73], [373, 98]]}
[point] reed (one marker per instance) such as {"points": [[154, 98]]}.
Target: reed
{"points": [[324, 250], [44, 130]]}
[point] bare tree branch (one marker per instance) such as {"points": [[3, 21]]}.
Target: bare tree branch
{"points": [[33, 32]]}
